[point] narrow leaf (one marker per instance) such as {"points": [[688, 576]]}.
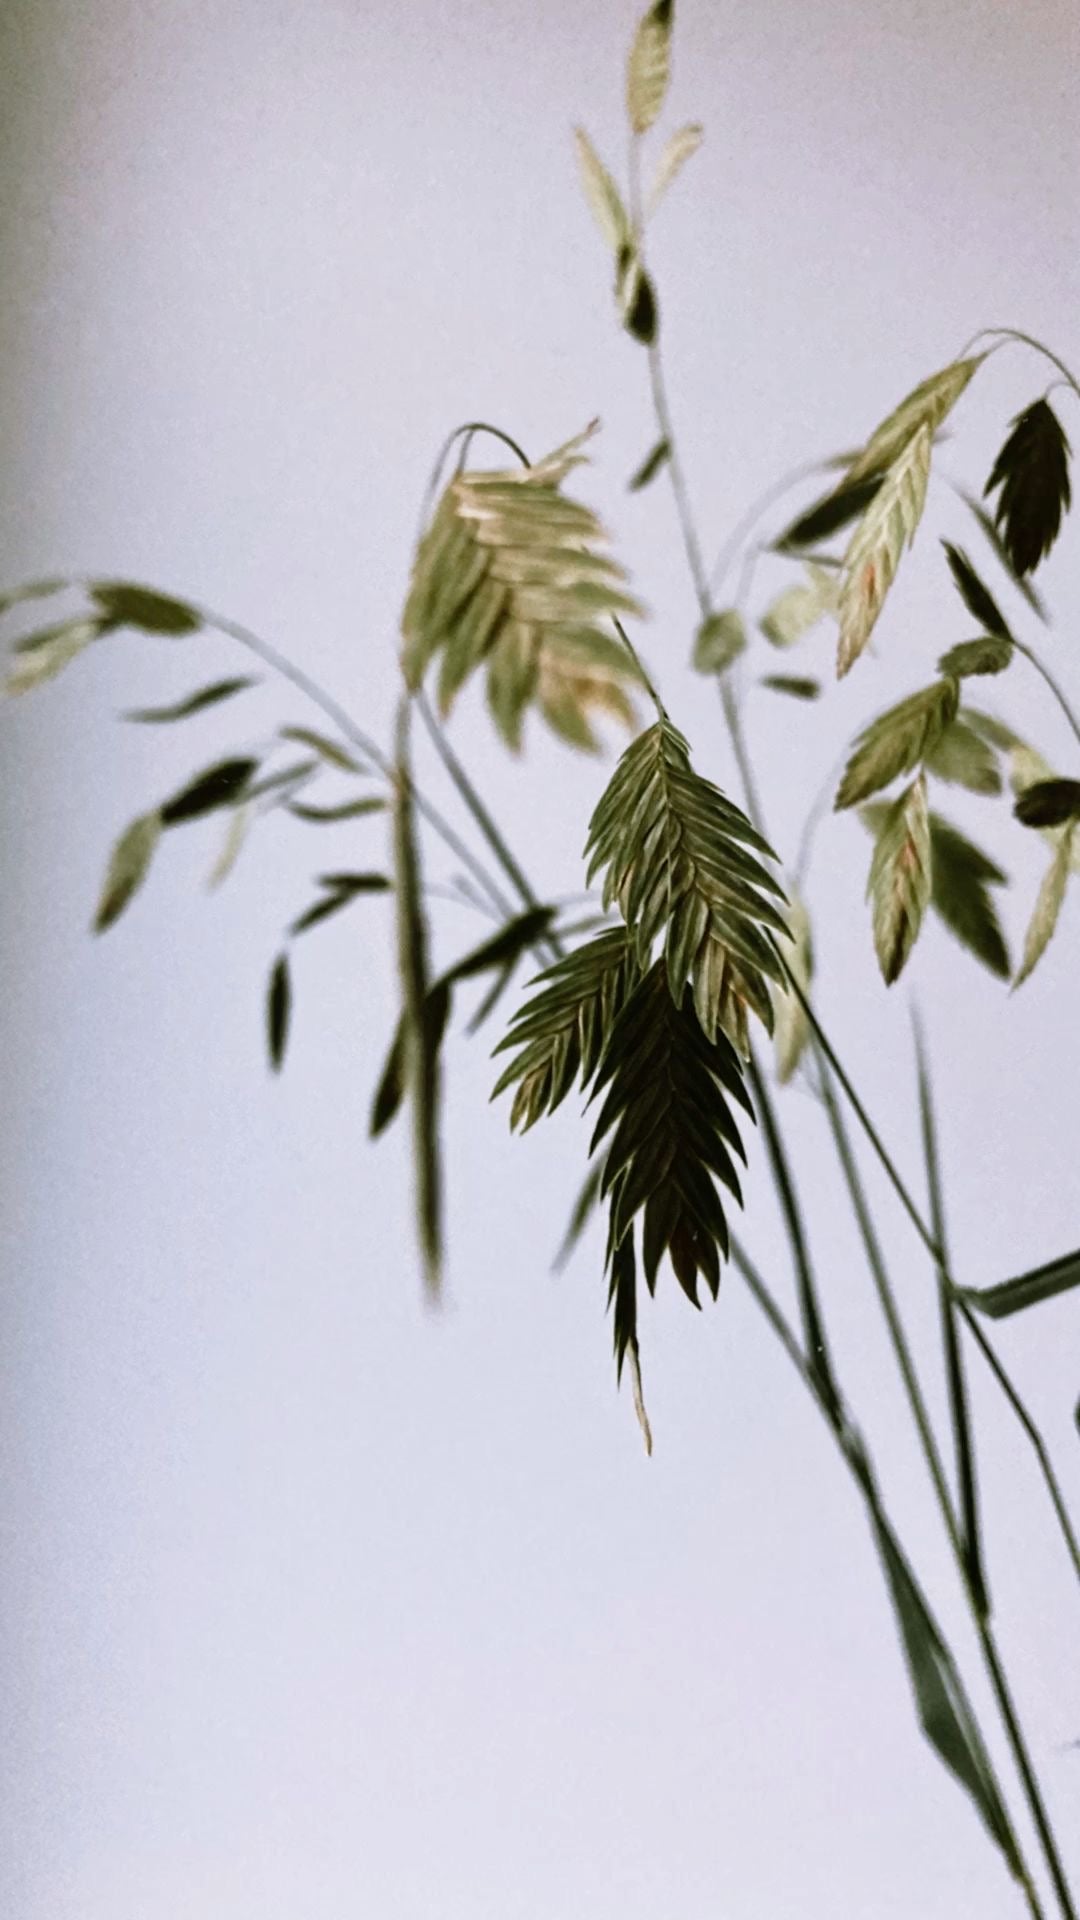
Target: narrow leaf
{"points": [[327, 749], [601, 193], [498, 955], [322, 909], [678, 149], [508, 944], [649, 66], [355, 882], [282, 785], [390, 1091], [278, 1010], [944, 1710], [975, 595], [236, 832], [219, 786], [36, 590], [421, 1058], [1047, 906], [352, 887], [656, 458], [194, 703], [1001, 553], [345, 810], [829, 515], [46, 654], [1027, 1289], [129, 606], [128, 868], [959, 1412], [583, 1209], [793, 684], [492, 997], [900, 879]]}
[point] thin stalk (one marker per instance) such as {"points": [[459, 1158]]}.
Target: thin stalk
{"points": [[961, 1539], [480, 814], [420, 1056], [693, 554], [1001, 334], [700, 579], [646, 679], [1023, 1416], [819, 808], [347, 726], [733, 545], [990, 533], [732, 717], [954, 1362], [864, 1119], [837, 1417], [925, 1234], [679, 488], [733, 721], [464, 433], [1030, 654], [890, 1311], [1032, 1789], [816, 1347]]}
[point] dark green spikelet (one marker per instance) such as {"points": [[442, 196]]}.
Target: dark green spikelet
{"points": [[1032, 471], [671, 1095]]}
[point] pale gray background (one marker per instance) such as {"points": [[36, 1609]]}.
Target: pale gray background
{"points": [[314, 1605]]}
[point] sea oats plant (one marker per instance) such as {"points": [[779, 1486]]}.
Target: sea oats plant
{"points": [[695, 927]]}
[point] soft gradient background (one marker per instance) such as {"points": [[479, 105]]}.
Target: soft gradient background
{"points": [[314, 1605]]}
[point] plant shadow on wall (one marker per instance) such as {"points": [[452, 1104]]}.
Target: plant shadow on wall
{"points": [[650, 980]]}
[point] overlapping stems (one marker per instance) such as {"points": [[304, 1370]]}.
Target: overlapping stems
{"points": [[965, 1550], [813, 1350]]}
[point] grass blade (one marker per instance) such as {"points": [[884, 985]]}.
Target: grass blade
{"points": [[193, 703], [944, 1710], [958, 1400], [1046, 1467], [278, 1010], [421, 1058], [584, 1207], [1026, 1289], [817, 1351]]}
